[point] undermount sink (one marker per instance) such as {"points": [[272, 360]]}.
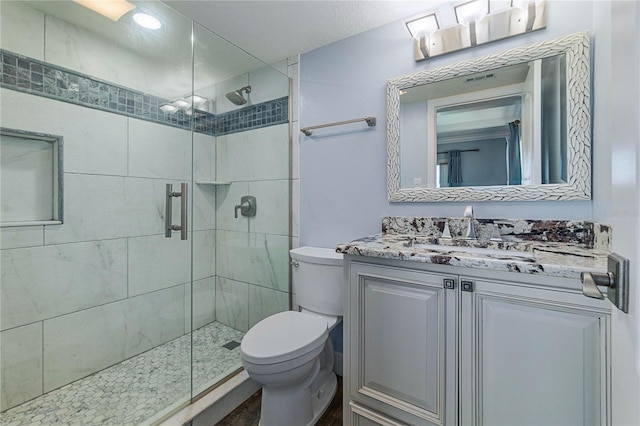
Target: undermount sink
{"points": [[474, 250]]}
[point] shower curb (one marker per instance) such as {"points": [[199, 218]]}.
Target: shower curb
{"points": [[215, 405]]}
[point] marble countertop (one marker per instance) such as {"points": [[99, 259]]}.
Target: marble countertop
{"points": [[558, 259]]}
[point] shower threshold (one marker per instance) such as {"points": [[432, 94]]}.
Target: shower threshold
{"points": [[141, 390]]}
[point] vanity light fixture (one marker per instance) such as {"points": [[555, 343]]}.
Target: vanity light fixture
{"points": [[474, 24], [112, 9], [168, 108], [471, 11], [423, 26], [147, 21], [196, 100], [469, 14], [188, 104], [531, 7], [182, 104]]}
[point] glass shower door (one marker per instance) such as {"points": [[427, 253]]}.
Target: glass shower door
{"points": [[241, 252], [107, 315], [96, 310]]}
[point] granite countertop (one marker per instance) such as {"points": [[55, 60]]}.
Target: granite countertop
{"points": [[553, 248]]}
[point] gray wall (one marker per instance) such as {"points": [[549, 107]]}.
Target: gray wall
{"points": [[343, 175]]}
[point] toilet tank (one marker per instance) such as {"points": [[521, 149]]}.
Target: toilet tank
{"points": [[318, 279]]}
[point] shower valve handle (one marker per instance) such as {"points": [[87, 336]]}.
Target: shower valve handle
{"points": [[247, 206]]}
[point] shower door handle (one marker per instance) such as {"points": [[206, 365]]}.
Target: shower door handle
{"points": [[183, 194]]}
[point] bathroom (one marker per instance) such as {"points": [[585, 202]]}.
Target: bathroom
{"points": [[342, 176]]}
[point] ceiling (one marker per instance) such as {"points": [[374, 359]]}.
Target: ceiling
{"points": [[275, 30]]}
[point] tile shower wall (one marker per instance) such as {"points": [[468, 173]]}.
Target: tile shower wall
{"points": [[90, 290], [84, 295], [119, 287], [252, 262], [252, 254]]}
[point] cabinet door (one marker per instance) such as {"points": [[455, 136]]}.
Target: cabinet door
{"points": [[532, 356], [401, 361]]}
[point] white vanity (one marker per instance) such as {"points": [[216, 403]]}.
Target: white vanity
{"points": [[436, 334]]}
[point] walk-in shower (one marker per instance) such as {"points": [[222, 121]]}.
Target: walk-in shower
{"points": [[106, 317]]}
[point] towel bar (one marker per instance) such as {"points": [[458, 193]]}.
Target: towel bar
{"points": [[371, 121]]}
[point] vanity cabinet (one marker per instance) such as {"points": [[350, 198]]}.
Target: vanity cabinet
{"points": [[403, 325], [435, 345]]}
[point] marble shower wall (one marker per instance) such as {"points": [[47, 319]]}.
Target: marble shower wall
{"points": [[252, 254], [105, 285]]}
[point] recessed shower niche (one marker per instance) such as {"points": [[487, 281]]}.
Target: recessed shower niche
{"points": [[30, 178]]}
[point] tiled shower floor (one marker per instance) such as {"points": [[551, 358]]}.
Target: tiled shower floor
{"points": [[139, 390]]}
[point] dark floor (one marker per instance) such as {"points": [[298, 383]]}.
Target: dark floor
{"points": [[248, 414]]}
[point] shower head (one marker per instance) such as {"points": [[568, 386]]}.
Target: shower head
{"points": [[236, 96]]}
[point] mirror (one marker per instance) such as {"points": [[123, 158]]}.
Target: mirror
{"points": [[509, 126]]}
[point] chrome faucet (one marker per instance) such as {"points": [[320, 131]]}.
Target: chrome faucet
{"points": [[471, 231]]}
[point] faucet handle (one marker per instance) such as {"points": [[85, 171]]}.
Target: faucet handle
{"points": [[471, 231], [446, 232], [495, 234], [468, 211]]}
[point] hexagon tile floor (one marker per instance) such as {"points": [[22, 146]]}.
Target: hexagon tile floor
{"points": [[139, 390]]}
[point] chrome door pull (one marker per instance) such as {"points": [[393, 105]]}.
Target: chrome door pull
{"points": [[184, 195]]}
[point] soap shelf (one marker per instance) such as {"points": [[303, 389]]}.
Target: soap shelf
{"points": [[212, 182]]}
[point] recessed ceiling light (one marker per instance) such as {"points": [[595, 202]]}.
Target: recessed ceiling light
{"points": [[147, 21]]}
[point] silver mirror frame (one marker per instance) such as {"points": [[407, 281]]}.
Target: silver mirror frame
{"points": [[576, 48]]}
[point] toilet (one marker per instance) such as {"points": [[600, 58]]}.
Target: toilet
{"points": [[290, 353]]}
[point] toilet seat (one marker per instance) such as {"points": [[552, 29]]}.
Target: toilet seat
{"points": [[283, 337]]}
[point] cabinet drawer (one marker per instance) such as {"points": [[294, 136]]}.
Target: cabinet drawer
{"points": [[361, 416]]}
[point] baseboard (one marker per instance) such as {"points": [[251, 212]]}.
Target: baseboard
{"points": [[338, 366]]}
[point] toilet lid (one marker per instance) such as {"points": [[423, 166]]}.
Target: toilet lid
{"points": [[282, 337]]}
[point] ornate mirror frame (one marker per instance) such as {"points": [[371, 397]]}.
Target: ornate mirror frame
{"points": [[578, 187]]}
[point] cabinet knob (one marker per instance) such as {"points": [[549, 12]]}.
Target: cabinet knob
{"points": [[466, 285]]}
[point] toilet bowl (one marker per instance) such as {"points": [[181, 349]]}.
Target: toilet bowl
{"points": [[290, 353]]}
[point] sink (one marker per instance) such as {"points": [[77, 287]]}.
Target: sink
{"points": [[474, 250]]}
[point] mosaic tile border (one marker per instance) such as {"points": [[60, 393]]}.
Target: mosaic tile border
{"points": [[39, 78]]}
